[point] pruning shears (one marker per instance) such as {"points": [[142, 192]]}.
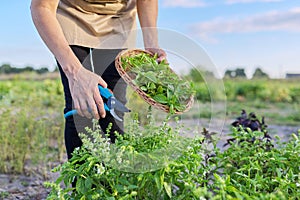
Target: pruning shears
{"points": [[110, 105]]}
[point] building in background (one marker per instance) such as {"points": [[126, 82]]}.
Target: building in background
{"points": [[292, 75]]}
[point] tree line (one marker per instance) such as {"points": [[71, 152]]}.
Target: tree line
{"points": [[195, 74], [240, 73], [8, 69], [199, 76]]}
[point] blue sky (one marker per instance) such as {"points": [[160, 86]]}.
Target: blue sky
{"points": [[234, 33]]}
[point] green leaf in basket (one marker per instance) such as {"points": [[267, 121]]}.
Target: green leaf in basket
{"points": [[158, 81], [160, 89], [151, 76], [160, 98], [180, 107], [162, 65], [151, 86], [144, 88]]}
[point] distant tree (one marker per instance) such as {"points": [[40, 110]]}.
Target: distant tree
{"points": [[5, 69], [27, 69], [237, 73], [198, 75], [240, 72], [8, 69], [42, 70], [229, 74], [258, 73]]}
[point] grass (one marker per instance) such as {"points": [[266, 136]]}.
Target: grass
{"points": [[31, 126], [4, 194]]}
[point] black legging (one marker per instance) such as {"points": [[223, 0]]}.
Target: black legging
{"points": [[104, 65]]}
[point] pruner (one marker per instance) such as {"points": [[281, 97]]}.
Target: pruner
{"points": [[110, 105]]}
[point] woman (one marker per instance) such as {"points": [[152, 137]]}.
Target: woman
{"points": [[71, 29]]}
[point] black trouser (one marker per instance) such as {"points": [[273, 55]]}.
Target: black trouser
{"points": [[104, 65]]}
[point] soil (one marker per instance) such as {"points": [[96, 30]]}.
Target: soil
{"points": [[27, 187], [14, 187]]}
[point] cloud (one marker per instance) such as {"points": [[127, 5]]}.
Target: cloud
{"points": [[184, 3], [203, 3], [288, 21], [251, 1]]}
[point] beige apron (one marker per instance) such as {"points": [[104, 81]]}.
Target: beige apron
{"points": [[103, 24]]}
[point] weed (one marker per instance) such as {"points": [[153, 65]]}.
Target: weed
{"points": [[4, 194]]}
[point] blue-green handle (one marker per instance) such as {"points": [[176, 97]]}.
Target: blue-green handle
{"points": [[104, 93], [74, 112], [70, 113]]}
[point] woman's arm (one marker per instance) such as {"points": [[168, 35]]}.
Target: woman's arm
{"points": [[44, 17], [147, 13], [83, 83]]}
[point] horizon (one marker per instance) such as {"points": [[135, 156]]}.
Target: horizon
{"points": [[23, 71]]}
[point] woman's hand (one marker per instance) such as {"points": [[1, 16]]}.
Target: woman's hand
{"points": [[85, 93], [161, 54]]}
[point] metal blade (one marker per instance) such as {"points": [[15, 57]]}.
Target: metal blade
{"points": [[112, 112], [113, 103]]}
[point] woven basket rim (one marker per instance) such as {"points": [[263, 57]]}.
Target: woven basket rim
{"points": [[128, 79]]}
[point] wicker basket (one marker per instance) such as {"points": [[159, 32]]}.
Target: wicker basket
{"points": [[128, 77]]}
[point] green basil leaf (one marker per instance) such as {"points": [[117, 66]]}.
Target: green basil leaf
{"points": [[151, 76], [143, 88], [160, 98]]}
